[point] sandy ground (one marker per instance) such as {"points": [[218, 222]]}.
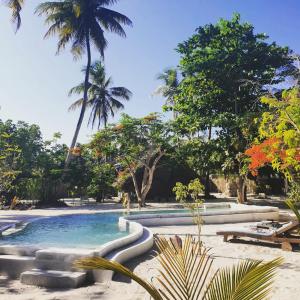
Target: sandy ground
{"points": [[286, 286]]}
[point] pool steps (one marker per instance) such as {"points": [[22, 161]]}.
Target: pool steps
{"points": [[13, 265], [53, 267], [53, 278]]}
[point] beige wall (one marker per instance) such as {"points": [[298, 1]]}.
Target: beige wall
{"points": [[228, 185]]}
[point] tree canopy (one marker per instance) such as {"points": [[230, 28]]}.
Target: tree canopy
{"points": [[134, 143], [226, 68]]}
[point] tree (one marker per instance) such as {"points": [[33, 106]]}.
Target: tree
{"points": [[132, 144], [169, 87], [226, 68], [24, 143], [102, 180], [102, 99], [279, 130], [9, 156], [80, 23]]}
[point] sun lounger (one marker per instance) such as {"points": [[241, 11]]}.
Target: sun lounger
{"points": [[280, 233]]}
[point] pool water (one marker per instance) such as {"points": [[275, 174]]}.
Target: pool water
{"points": [[69, 231], [75, 231]]}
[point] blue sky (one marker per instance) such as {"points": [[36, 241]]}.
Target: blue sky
{"points": [[34, 81]]}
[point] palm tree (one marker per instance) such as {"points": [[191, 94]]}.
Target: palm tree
{"points": [[80, 23], [16, 7], [102, 99], [169, 88]]}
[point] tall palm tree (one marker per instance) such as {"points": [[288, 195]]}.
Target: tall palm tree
{"points": [[80, 23], [102, 99], [169, 88]]}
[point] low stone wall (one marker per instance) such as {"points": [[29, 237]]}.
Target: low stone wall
{"points": [[236, 214], [228, 186]]}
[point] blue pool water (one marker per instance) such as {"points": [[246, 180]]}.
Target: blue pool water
{"points": [[80, 231], [69, 231]]}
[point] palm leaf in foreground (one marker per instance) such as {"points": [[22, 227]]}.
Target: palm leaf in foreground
{"points": [[185, 267], [248, 280], [104, 264]]}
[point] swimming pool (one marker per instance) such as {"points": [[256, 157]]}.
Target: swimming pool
{"points": [[54, 243], [85, 230], [91, 230], [77, 230]]}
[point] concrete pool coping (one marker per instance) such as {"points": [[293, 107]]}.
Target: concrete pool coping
{"points": [[139, 240]]}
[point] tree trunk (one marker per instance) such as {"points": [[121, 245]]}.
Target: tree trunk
{"points": [[85, 99], [207, 182], [207, 186], [137, 190], [141, 193], [241, 190]]}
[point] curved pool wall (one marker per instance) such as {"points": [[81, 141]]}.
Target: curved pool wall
{"points": [[237, 213], [138, 241]]}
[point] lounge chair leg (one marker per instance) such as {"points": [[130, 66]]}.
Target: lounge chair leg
{"points": [[286, 246], [225, 239]]}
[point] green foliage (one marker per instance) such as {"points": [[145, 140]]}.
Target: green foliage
{"points": [[101, 182], [282, 122], [248, 280], [184, 192], [31, 168], [185, 266], [169, 87], [225, 68], [134, 143], [68, 20], [103, 100], [293, 200], [9, 156]]}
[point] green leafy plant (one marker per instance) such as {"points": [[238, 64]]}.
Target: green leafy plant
{"points": [[185, 268], [294, 199], [192, 190]]}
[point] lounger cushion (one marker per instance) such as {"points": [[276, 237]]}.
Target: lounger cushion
{"points": [[251, 231]]}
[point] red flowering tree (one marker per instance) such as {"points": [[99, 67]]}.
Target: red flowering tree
{"points": [[280, 131]]}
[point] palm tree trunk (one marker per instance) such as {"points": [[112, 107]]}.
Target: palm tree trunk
{"points": [[85, 99]]}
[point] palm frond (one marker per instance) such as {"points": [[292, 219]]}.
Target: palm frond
{"points": [[185, 267], [78, 89], [76, 104], [249, 280], [102, 263], [97, 35], [16, 7], [121, 92], [112, 20]]}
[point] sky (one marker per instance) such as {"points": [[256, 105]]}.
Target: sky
{"points": [[34, 82]]}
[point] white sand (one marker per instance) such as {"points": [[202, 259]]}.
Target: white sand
{"points": [[286, 286]]}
